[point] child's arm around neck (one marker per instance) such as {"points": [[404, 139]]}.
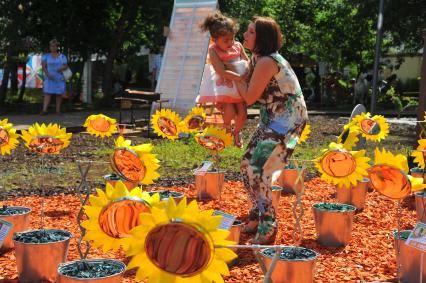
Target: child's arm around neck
{"points": [[220, 68]]}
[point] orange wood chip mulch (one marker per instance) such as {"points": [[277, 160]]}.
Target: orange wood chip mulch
{"points": [[370, 256]]}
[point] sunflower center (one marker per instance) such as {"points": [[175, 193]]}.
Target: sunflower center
{"points": [[100, 125], [119, 217], [389, 181], [167, 126], [211, 142], [46, 144], [338, 164], [127, 164], [370, 127], [178, 248], [195, 122], [4, 137]]}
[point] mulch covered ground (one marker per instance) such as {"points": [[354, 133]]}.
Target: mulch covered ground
{"points": [[370, 256]]}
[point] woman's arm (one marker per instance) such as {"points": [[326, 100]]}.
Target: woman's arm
{"points": [[264, 70], [44, 68], [64, 65], [220, 69]]}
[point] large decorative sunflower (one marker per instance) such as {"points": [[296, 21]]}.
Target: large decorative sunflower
{"points": [[341, 167], [8, 137], [349, 137], [165, 123], [195, 119], [389, 174], [372, 128], [419, 156], [417, 184], [305, 134], [135, 163], [46, 139], [113, 213], [214, 139], [100, 125], [178, 244]]}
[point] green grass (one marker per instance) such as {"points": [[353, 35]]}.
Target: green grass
{"points": [[182, 156]]}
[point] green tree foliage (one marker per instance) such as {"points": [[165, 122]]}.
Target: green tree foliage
{"points": [[339, 32]]}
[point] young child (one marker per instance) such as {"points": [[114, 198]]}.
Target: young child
{"points": [[226, 62]]}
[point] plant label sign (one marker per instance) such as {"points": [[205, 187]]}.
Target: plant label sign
{"points": [[227, 220], [417, 238], [5, 228], [202, 170]]}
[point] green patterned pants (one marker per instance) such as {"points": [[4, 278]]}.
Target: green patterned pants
{"points": [[265, 158]]}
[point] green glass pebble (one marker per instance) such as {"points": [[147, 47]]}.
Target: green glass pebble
{"points": [[9, 210], [291, 253], [334, 206], [85, 269], [42, 236]]}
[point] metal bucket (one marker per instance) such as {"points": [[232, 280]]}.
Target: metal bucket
{"points": [[408, 259], [418, 173], [235, 232], [291, 270], [355, 195], [113, 179], [116, 278], [276, 195], [420, 200], [39, 262], [334, 228], [20, 222], [209, 185], [287, 180], [235, 237], [177, 196]]}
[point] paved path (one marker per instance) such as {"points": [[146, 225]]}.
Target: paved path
{"points": [[74, 120]]}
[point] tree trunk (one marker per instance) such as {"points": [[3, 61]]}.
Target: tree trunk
{"points": [[24, 81], [422, 94], [127, 18], [4, 82], [14, 77]]}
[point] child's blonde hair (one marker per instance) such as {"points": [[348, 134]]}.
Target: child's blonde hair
{"points": [[219, 25]]}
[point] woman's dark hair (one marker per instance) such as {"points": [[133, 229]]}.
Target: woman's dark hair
{"points": [[268, 36], [219, 25]]}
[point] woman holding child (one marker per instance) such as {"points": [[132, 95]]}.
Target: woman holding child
{"points": [[283, 115]]}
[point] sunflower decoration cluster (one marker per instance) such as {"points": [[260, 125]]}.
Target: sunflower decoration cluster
{"points": [[46, 139], [373, 128], [8, 137], [305, 134], [100, 125], [342, 167], [168, 124], [113, 213], [180, 243], [389, 175], [134, 163], [419, 153], [214, 139]]}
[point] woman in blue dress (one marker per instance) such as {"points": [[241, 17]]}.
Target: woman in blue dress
{"points": [[53, 64]]}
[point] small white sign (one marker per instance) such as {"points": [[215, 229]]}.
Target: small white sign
{"points": [[227, 220], [417, 238], [202, 170], [5, 228]]}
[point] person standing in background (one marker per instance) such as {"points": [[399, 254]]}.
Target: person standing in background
{"points": [[157, 60], [53, 64]]}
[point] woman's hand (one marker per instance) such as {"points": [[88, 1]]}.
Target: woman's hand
{"points": [[50, 77]]}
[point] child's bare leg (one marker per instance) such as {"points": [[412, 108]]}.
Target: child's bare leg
{"points": [[228, 113], [240, 119]]}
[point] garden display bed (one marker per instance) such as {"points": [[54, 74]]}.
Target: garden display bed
{"points": [[370, 255]]}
